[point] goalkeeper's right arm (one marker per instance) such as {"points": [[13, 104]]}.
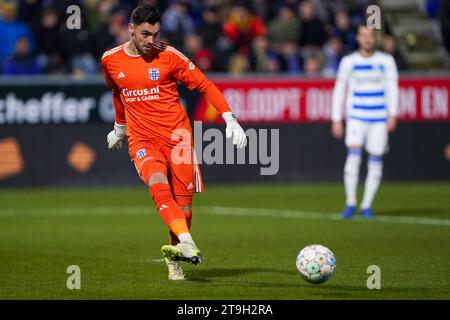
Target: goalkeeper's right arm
{"points": [[115, 137]]}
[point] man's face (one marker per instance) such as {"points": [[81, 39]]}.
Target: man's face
{"points": [[144, 35], [389, 44], [366, 38], [22, 46]]}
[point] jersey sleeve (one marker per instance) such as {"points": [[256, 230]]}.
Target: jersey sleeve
{"points": [[340, 90], [194, 79], [392, 94], [118, 104]]}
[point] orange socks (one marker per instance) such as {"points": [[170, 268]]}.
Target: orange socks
{"points": [[183, 202], [168, 209]]}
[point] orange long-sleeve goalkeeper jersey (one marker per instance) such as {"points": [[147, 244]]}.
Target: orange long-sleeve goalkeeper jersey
{"points": [[145, 92]]}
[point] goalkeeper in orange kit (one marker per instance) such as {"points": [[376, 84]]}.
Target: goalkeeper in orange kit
{"points": [[142, 74]]}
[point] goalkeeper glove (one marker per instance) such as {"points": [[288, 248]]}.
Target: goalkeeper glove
{"points": [[114, 138], [234, 130]]}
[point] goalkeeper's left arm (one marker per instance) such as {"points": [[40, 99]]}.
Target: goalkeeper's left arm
{"points": [[233, 130], [186, 72]]}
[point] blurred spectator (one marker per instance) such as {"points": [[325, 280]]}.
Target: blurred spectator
{"points": [[259, 54], [76, 50], [176, 23], [122, 36], [11, 30], [332, 52], [30, 11], [266, 10], [47, 32], [210, 30], [312, 66], [23, 62], [210, 27], [345, 31], [312, 30], [273, 63], [48, 39], [444, 14], [205, 61], [285, 27], [357, 10], [290, 57], [238, 64], [98, 12], [242, 27], [262, 58], [83, 64], [109, 33], [218, 35], [197, 53], [325, 9], [56, 64], [77, 45], [389, 45]]}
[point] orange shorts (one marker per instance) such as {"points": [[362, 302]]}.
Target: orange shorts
{"points": [[178, 163]]}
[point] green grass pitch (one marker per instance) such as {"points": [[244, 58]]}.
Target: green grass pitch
{"points": [[249, 234]]}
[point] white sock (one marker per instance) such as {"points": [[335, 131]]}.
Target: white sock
{"points": [[373, 179], [186, 238], [351, 173]]}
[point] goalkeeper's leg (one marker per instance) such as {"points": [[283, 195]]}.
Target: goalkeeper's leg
{"points": [[178, 248], [152, 166], [175, 270], [168, 208], [174, 217]]}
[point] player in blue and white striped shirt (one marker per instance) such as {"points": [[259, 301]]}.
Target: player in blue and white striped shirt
{"points": [[367, 81]]}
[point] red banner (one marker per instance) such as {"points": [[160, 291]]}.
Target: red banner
{"points": [[285, 100]]}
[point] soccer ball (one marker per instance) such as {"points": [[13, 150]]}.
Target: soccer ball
{"points": [[316, 263]]}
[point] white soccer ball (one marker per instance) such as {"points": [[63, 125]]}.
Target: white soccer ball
{"points": [[316, 263]]}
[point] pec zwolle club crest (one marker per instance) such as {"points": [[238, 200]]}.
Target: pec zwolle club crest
{"points": [[153, 73]]}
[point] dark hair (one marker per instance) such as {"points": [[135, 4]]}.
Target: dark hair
{"points": [[144, 13]]}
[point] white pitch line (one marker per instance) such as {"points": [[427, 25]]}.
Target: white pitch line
{"points": [[310, 215], [215, 210], [97, 211], [276, 213]]}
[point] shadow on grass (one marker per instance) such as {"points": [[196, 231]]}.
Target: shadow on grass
{"points": [[286, 281], [361, 292], [214, 275], [203, 274]]}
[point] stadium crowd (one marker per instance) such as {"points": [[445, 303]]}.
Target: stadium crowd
{"points": [[296, 37]]}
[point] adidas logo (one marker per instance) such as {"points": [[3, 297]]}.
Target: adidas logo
{"points": [[163, 206], [190, 186], [121, 75]]}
